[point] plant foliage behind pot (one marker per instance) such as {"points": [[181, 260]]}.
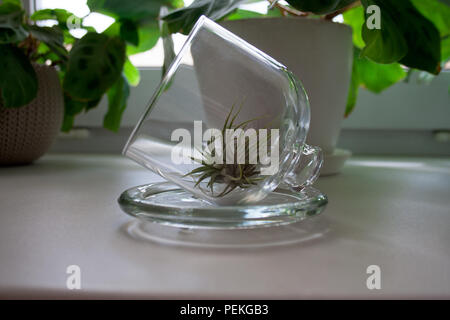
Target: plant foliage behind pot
{"points": [[89, 67], [414, 33]]}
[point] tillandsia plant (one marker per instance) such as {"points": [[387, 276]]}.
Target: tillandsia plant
{"points": [[413, 33], [228, 175], [89, 67]]}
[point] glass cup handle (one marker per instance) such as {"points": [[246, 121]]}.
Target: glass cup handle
{"points": [[306, 168]]}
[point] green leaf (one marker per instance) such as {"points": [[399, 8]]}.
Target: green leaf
{"points": [[136, 10], [117, 102], [355, 19], [59, 15], [95, 64], [11, 29], [67, 123], [378, 77], [73, 107], [314, 6], [437, 12], [15, 2], [239, 14], [129, 32], [319, 7], [44, 53], [148, 36], [18, 80], [131, 73], [92, 104], [113, 30], [372, 76], [246, 14], [405, 36], [385, 45], [423, 39], [182, 20], [343, 3], [53, 37]]}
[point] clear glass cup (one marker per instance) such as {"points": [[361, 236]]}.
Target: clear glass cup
{"points": [[218, 82]]}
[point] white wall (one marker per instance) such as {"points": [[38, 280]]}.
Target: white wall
{"points": [[404, 106]]}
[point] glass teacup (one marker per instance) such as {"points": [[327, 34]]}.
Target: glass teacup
{"points": [[228, 123]]}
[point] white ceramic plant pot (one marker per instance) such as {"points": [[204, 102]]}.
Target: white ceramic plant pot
{"points": [[319, 53]]}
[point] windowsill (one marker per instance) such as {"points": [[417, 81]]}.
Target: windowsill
{"points": [[359, 141], [67, 213]]}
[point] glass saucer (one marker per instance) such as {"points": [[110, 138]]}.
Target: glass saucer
{"points": [[166, 203]]}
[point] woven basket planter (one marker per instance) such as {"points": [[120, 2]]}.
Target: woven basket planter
{"points": [[26, 133]]}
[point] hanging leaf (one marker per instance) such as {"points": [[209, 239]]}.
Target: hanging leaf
{"points": [[355, 19], [95, 64], [372, 76], [71, 109], [18, 80], [92, 104], [131, 73], [117, 102]]}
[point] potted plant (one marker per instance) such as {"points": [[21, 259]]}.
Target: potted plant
{"points": [[330, 61], [48, 76]]}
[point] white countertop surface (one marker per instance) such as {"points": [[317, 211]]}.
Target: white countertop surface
{"points": [[61, 211]]}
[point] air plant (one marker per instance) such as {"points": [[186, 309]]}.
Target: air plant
{"points": [[232, 175]]}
